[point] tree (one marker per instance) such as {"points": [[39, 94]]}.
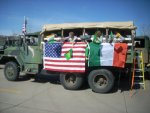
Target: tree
{"points": [[145, 29]]}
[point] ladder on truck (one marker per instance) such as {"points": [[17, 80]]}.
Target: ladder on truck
{"points": [[138, 78]]}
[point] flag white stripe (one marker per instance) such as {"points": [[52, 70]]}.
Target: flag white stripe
{"points": [[66, 63], [65, 68], [75, 54], [107, 53], [74, 49]]}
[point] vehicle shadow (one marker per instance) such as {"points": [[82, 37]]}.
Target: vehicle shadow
{"points": [[23, 78], [55, 80], [2, 66], [121, 85], [47, 78], [40, 78], [124, 84]]}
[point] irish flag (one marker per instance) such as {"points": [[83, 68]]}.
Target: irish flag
{"points": [[107, 54]]}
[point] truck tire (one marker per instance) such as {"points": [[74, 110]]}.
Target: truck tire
{"points": [[71, 81], [101, 81], [11, 71]]}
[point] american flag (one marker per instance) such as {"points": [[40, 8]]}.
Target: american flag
{"points": [[24, 26], [54, 59]]}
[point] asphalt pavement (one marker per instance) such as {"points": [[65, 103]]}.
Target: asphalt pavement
{"points": [[47, 96]]}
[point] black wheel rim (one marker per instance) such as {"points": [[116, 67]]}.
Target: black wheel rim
{"points": [[100, 81], [10, 72], [70, 79]]}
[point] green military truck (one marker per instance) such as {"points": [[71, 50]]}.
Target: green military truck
{"points": [[26, 54], [21, 53], [143, 43]]}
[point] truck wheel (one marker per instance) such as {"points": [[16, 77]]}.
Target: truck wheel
{"points": [[101, 81], [71, 81], [11, 71]]}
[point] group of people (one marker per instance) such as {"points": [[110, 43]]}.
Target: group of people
{"points": [[99, 38], [96, 38], [53, 37]]}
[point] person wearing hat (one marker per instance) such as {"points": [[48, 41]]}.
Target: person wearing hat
{"points": [[118, 37]]}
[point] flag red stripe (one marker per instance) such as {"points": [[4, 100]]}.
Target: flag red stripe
{"points": [[78, 61], [120, 55], [73, 47], [71, 71], [74, 51], [74, 43]]}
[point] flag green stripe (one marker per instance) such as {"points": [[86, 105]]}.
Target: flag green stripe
{"points": [[94, 56]]}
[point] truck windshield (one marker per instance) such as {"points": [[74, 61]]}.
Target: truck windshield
{"points": [[32, 40]]}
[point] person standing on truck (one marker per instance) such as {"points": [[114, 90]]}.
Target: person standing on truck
{"points": [[118, 37], [97, 37], [71, 37]]}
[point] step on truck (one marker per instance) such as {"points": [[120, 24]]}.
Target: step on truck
{"points": [[28, 54]]}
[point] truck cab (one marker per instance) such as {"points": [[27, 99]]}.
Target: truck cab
{"points": [[21, 54], [143, 43]]}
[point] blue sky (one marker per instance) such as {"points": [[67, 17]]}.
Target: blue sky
{"points": [[40, 12]]}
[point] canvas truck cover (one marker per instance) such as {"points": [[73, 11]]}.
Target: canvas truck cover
{"points": [[118, 25]]}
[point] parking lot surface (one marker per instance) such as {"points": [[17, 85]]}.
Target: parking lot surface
{"points": [[47, 96]]}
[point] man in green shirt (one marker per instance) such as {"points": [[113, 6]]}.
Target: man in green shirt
{"points": [[97, 38]]}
